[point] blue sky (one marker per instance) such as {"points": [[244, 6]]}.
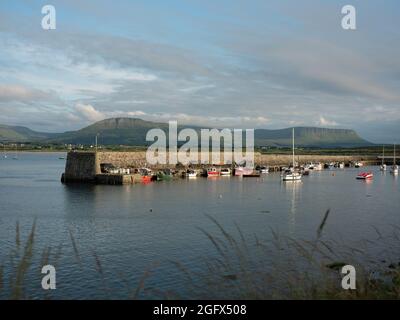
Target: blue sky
{"points": [[253, 64]]}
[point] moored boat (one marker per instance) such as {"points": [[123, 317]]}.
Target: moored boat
{"points": [[225, 172], [318, 166], [395, 168], [191, 173], [383, 165], [253, 174], [358, 164], [212, 172], [309, 166], [292, 174], [240, 171], [365, 176], [263, 169], [145, 175], [164, 175]]}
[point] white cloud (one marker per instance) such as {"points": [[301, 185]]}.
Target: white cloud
{"points": [[89, 112], [326, 123], [137, 113], [195, 89], [20, 93], [108, 73]]}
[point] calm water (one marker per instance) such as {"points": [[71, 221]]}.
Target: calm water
{"points": [[143, 227]]}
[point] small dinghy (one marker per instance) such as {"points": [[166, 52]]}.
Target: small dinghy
{"points": [[365, 176], [191, 173], [225, 172]]}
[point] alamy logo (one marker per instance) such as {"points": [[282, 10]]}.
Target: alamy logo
{"points": [[191, 153], [49, 20], [349, 20], [349, 279], [49, 280]]}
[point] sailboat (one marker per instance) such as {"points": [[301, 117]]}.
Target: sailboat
{"points": [[383, 165], [292, 174], [4, 152], [395, 167]]}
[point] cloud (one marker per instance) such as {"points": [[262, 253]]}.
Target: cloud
{"points": [[272, 65], [326, 123], [18, 93], [197, 88], [89, 112]]}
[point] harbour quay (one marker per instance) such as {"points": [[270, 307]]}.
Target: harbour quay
{"points": [[120, 168]]}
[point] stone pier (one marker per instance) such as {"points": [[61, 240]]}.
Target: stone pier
{"points": [[85, 166]]}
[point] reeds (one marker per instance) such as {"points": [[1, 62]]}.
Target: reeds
{"points": [[287, 268], [241, 267]]}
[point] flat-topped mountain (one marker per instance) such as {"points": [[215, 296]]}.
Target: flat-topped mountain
{"points": [[310, 137], [132, 131]]}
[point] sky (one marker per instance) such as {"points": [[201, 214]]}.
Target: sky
{"points": [[238, 64]]}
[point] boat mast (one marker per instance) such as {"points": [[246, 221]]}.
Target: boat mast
{"points": [[394, 155], [293, 147], [383, 156]]}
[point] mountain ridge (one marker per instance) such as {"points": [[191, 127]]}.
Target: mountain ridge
{"points": [[132, 131]]}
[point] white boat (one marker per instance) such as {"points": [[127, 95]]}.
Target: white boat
{"points": [[358, 164], [191, 174], [395, 168], [264, 169], [145, 171], [292, 175], [309, 166], [225, 172], [383, 165], [318, 166], [341, 165]]}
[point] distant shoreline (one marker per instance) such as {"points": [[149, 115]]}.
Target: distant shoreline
{"points": [[357, 151]]}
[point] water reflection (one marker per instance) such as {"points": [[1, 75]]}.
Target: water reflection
{"points": [[292, 188]]}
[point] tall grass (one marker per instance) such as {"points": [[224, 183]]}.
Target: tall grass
{"points": [[240, 267], [287, 268], [26, 261]]}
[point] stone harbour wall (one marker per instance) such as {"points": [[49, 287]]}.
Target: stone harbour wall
{"points": [[81, 166], [85, 166]]}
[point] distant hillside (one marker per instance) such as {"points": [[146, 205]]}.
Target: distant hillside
{"points": [[309, 137], [131, 131], [21, 134], [115, 131]]}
